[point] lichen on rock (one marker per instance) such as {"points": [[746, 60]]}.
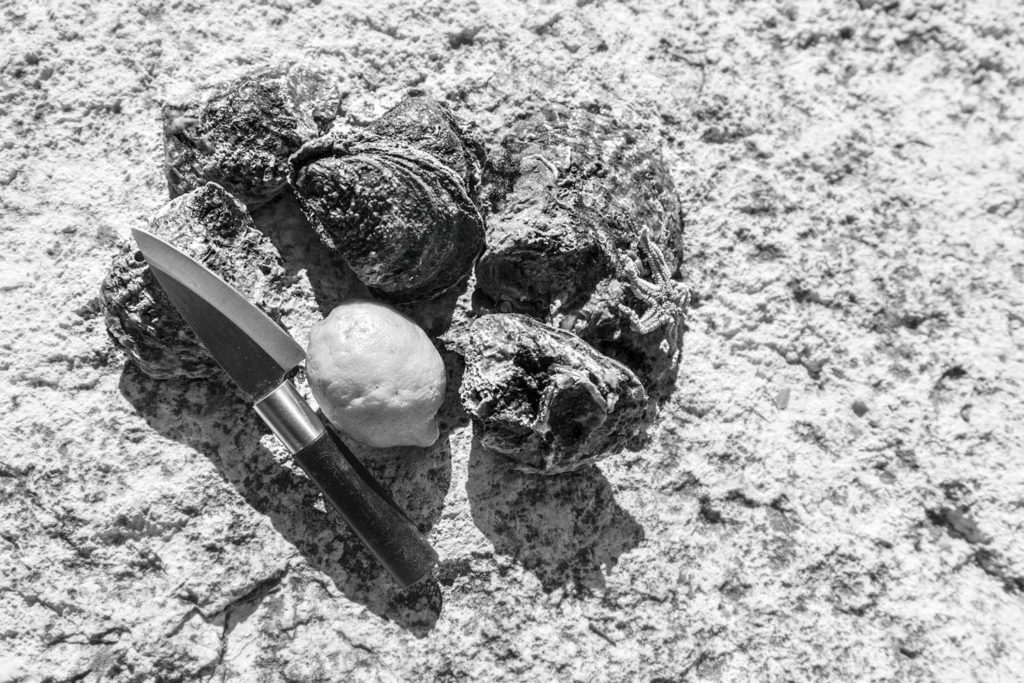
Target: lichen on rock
{"points": [[542, 397], [212, 227]]}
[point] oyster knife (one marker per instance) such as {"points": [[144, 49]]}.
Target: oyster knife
{"points": [[259, 356]]}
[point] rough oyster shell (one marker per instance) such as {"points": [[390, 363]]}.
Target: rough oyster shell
{"points": [[241, 134], [388, 201], [566, 195], [214, 228], [542, 397], [428, 125]]}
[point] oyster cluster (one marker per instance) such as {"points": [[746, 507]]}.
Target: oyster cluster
{"points": [[570, 224], [585, 233]]}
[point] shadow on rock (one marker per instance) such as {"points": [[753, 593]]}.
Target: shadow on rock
{"points": [[565, 528], [210, 417]]}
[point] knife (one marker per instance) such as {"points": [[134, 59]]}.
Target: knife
{"points": [[258, 355]]}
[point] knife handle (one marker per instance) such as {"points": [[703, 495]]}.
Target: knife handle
{"points": [[351, 489]]}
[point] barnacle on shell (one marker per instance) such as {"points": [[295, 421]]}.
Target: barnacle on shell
{"points": [[241, 134], [568, 195], [214, 228], [542, 397], [396, 200]]}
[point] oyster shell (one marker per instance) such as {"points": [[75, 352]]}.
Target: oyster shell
{"points": [[214, 228], [241, 134], [569, 195], [542, 397], [396, 199]]}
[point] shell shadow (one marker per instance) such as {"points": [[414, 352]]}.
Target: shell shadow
{"points": [[209, 416], [566, 529], [330, 277]]}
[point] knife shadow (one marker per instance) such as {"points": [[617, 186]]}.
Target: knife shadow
{"points": [[567, 529], [209, 416]]}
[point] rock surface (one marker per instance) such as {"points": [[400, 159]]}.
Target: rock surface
{"points": [[850, 175]]}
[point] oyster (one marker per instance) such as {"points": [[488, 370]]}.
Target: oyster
{"points": [[395, 199], [543, 397], [242, 134], [214, 228], [584, 232]]}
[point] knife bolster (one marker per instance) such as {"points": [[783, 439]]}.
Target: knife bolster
{"points": [[289, 417]]}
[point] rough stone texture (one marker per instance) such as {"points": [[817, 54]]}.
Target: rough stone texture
{"points": [[542, 397], [241, 133], [395, 200], [214, 228], [850, 173], [567, 193]]}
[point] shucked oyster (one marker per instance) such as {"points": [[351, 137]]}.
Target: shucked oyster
{"points": [[242, 134], [214, 228], [396, 199], [542, 397], [584, 233]]}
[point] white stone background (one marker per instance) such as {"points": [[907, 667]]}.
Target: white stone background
{"points": [[853, 177]]}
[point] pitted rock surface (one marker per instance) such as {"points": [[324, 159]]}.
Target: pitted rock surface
{"points": [[834, 490]]}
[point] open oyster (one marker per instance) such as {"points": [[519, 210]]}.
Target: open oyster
{"points": [[241, 134], [215, 229], [542, 397], [584, 232], [396, 199]]}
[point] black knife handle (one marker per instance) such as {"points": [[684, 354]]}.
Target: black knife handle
{"points": [[376, 519]]}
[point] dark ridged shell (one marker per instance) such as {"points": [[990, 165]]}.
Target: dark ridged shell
{"points": [[566, 195], [390, 202], [542, 397], [241, 135], [215, 229]]}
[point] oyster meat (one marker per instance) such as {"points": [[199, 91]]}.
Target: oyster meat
{"points": [[396, 199], [240, 135], [541, 396], [584, 232], [212, 227]]}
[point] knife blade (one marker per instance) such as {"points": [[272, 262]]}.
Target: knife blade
{"points": [[259, 356]]}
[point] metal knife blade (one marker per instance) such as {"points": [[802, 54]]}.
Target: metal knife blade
{"points": [[253, 350]]}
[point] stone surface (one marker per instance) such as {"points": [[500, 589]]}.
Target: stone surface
{"points": [[850, 175]]}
